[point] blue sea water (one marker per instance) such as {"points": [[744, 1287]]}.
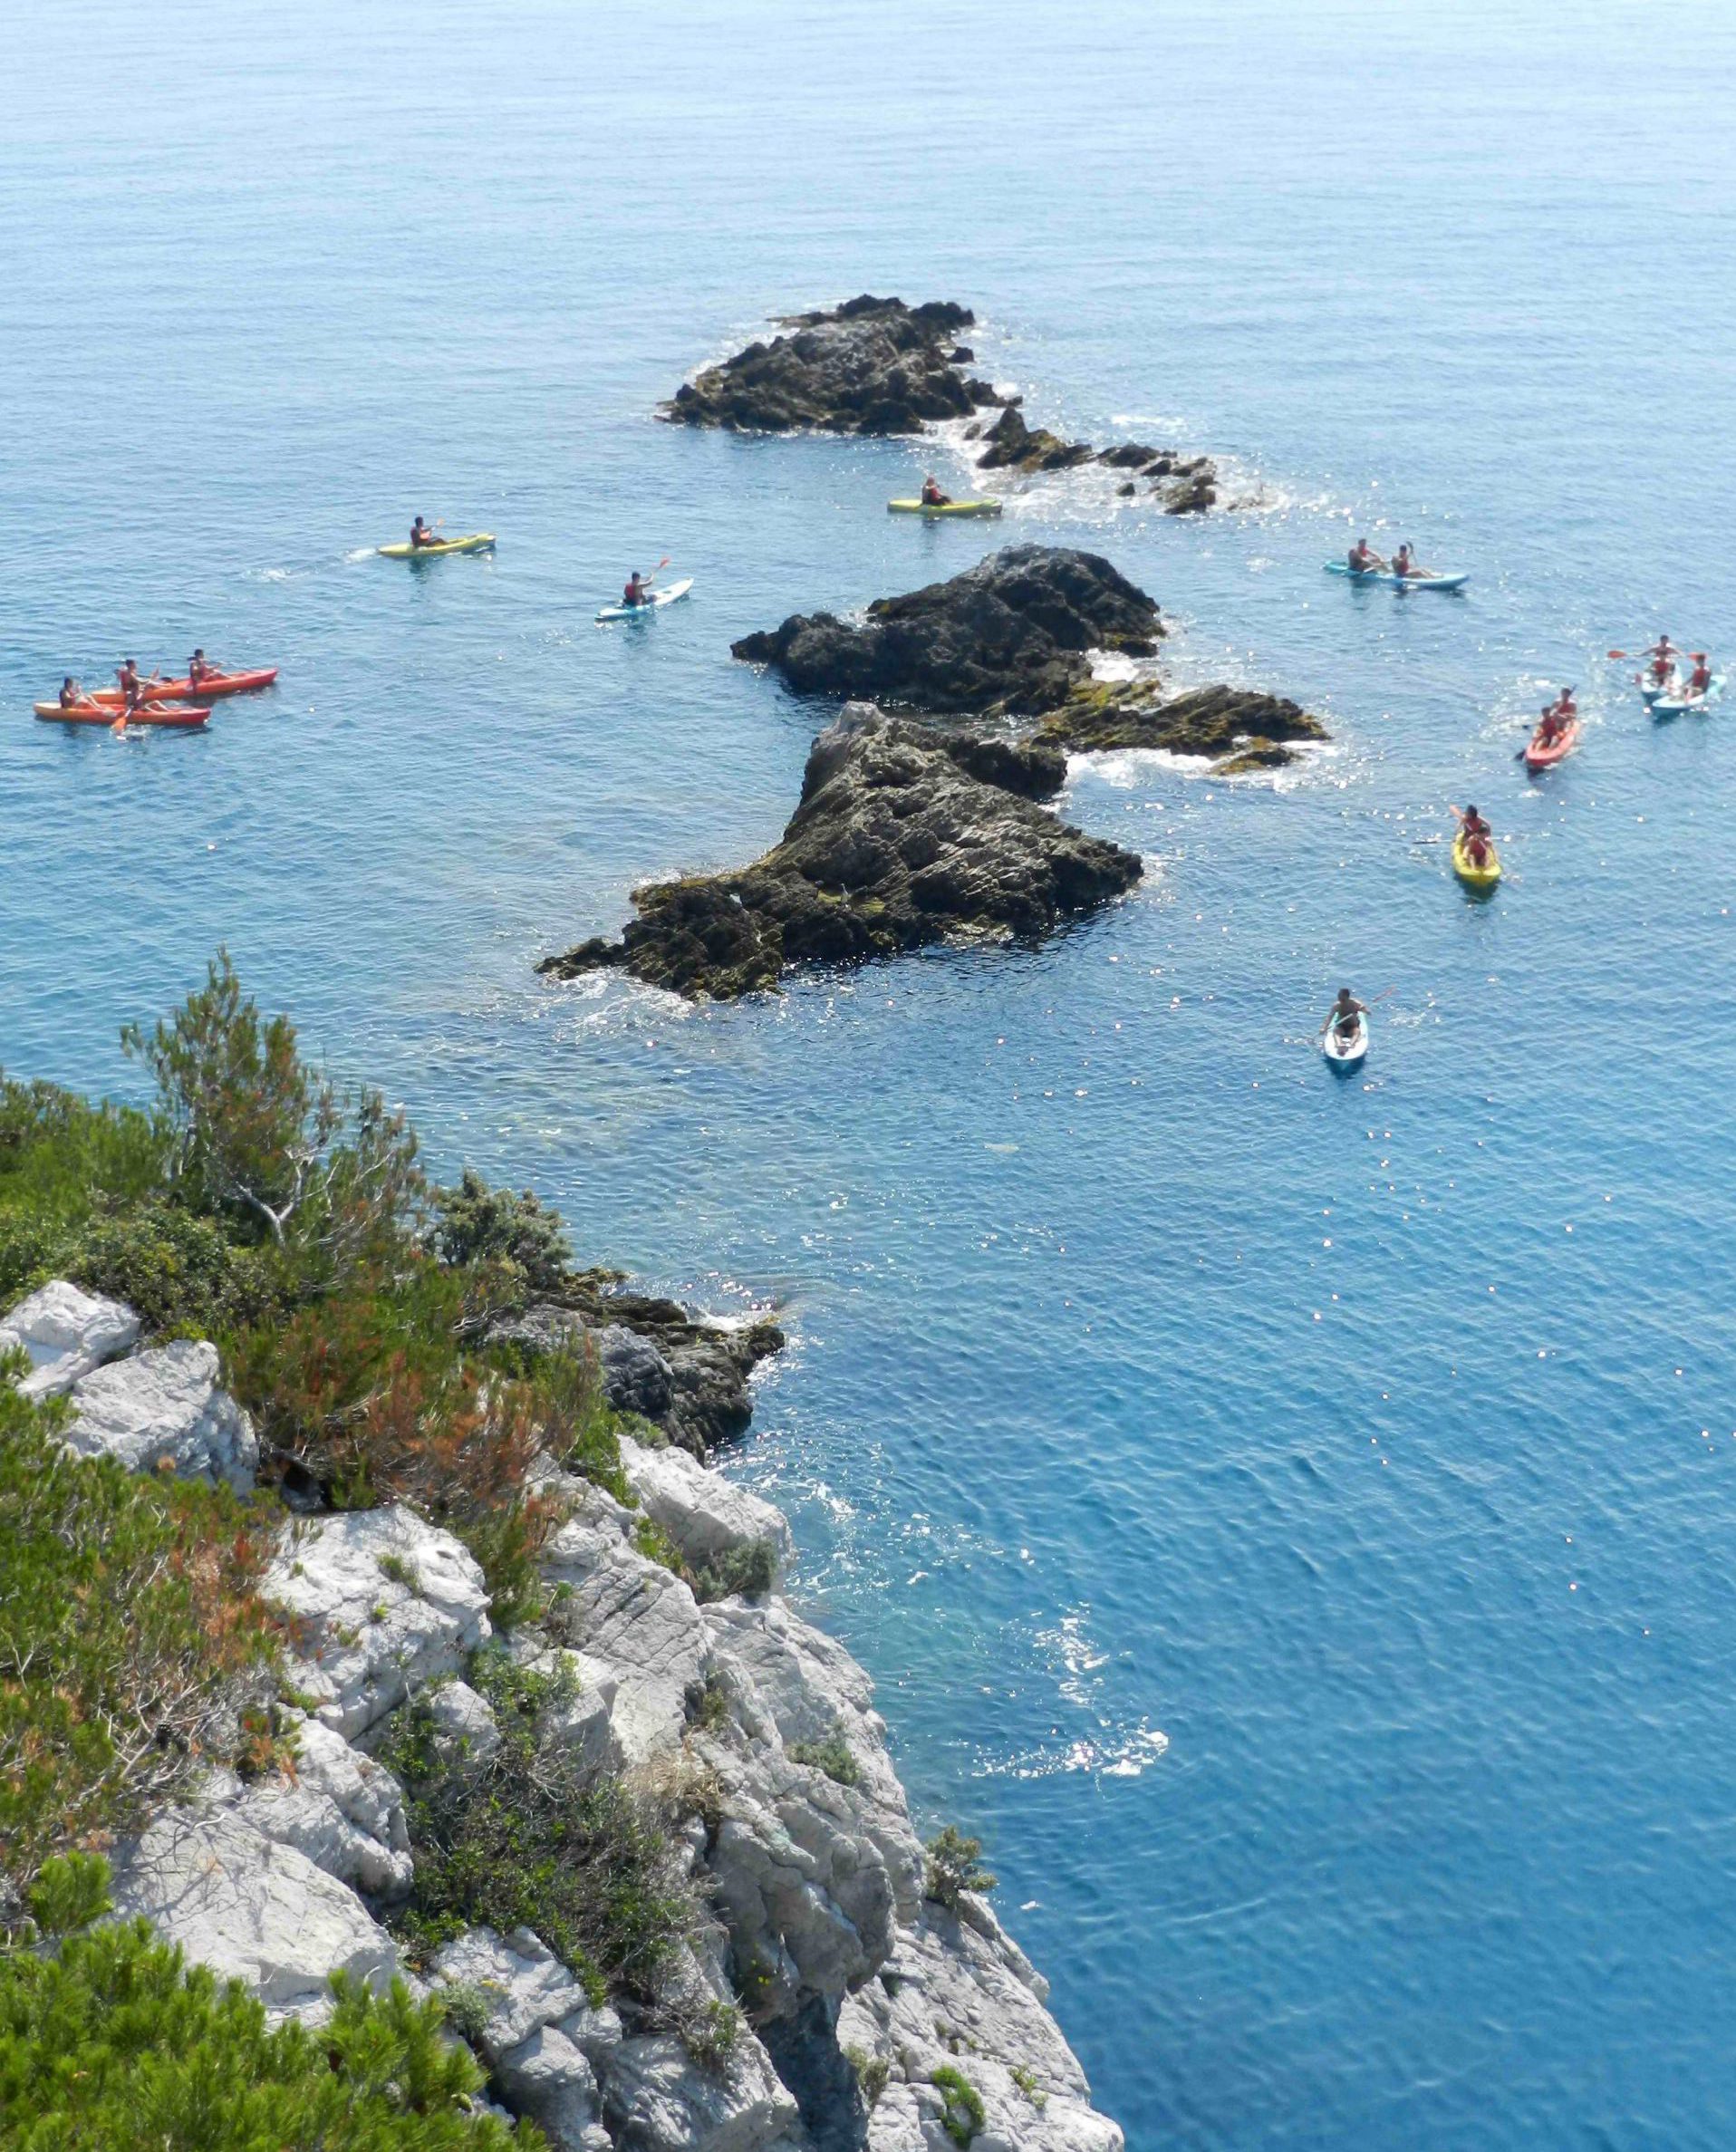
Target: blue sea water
{"points": [[1289, 1518]]}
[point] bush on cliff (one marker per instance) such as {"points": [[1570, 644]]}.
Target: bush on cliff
{"points": [[954, 1867], [131, 1641], [112, 2039], [475, 1223], [532, 1838]]}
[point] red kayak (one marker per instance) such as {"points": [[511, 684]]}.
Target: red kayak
{"points": [[1538, 757], [174, 691], [185, 717]]}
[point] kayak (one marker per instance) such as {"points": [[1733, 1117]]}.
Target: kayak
{"points": [[1483, 877], [477, 542], [1343, 568], [1672, 706], [657, 597], [175, 691], [1538, 756], [1346, 1053], [166, 714], [922, 507]]}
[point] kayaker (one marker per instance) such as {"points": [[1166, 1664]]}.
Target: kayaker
{"points": [[1700, 679], [932, 498], [420, 534], [1663, 654], [1341, 1018], [1406, 563], [1364, 560], [1477, 835], [638, 591], [72, 693], [132, 688], [200, 668]]}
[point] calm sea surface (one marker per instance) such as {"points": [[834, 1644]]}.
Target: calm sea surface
{"points": [[1291, 1520]]}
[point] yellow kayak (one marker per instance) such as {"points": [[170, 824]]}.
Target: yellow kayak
{"points": [[1483, 877], [922, 507], [477, 542]]}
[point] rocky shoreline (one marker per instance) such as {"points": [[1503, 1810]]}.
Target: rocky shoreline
{"points": [[840, 1990], [916, 822]]}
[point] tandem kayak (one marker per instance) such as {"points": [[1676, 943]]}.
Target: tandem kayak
{"points": [[1538, 757], [1346, 1052], [922, 507], [657, 597], [1343, 568], [1475, 877], [477, 542], [1673, 704], [213, 685], [166, 714]]}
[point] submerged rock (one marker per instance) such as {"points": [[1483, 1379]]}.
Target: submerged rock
{"points": [[1243, 723], [1010, 634], [871, 366], [894, 846]]}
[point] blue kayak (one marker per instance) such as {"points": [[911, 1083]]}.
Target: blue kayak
{"points": [[1674, 705], [1343, 568]]}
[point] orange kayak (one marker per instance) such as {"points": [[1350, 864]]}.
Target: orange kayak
{"points": [[174, 691], [152, 713], [1540, 754]]}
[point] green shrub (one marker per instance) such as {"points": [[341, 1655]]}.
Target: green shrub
{"points": [[131, 1641], [60, 1157], [1026, 2079], [833, 1756], [874, 2073], [963, 2118], [112, 2039], [749, 1568], [953, 1868], [530, 1839], [655, 1544], [475, 1223], [257, 1136], [707, 1704]]}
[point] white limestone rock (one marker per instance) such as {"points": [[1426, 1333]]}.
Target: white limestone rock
{"points": [[464, 1726], [523, 1987], [382, 1603], [251, 1909], [548, 2078], [705, 1514], [641, 1621], [67, 1332], [341, 1809], [657, 2098], [163, 1410]]}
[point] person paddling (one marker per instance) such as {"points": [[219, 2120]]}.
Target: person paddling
{"points": [[1364, 560], [72, 693], [1662, 656], [1407, 568], [420, 534], [1343, 1015], [932, 498], [199, 669], [638, 589], [1477, 834], [1556, 719]]}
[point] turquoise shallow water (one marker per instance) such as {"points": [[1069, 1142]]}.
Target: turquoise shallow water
{"points": [[1289, 1518]]}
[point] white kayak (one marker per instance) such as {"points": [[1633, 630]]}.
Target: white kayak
{"points": [[1674, 705], [1429, 582], [1653, 690], [667, 596], [1345, 1053]]}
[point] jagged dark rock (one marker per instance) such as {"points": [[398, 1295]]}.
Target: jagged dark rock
{"points": [[1192, 493], [1241, 723], [871, 366], [1033, 768], [1012, 445], [895, 846], [1010, 635], [698, 1394]]}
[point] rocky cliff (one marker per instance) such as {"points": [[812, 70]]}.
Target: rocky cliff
{"points": [[831, 1989]]}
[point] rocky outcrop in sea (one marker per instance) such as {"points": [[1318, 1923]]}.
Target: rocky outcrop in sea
{"points": [[1013, 634], [1239, 728], [1188, 484], [902, 837], [871, 366], [836, 1994]]}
